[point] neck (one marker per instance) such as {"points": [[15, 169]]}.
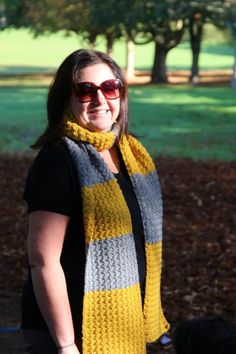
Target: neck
{"points": [[111, 158]]}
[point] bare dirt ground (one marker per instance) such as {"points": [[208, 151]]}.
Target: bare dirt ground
{"points": [[175, 77], [199, 269], [180, 77]]}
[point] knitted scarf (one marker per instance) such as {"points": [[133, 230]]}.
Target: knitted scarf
{"points": [[114, 321]]}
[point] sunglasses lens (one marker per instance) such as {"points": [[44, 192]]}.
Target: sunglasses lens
{"points": [[111, 89], [85, 91]]}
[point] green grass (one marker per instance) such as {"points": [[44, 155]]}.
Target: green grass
{"points": [[22, 116], [21, 53], [196, 122]]}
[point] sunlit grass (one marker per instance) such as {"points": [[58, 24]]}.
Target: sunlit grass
{"points": [[196, 122], [22, 53]]}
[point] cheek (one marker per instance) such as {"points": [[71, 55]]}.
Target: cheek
{"points": [[77, 108], [116, 108]]}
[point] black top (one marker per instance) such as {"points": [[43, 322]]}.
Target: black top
{"points": [[52, 185]]}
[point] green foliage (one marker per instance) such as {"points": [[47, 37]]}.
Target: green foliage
{"points": [[231, 16], [207, 10], [12, 10], [139, 18], [55, 15], [155, 20], [143, 21], [87, 17], [107, 16]]}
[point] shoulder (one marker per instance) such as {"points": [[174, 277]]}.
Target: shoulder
{"points": [[52, 158], [53, 153], [52, 163], [51, 183]]}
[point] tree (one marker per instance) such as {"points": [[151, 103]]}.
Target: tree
{"points": [[161, 22], [199, 13], [43, 16], [90, 18], [231, 24], [54, 15], [11, 12], [107, 18]]}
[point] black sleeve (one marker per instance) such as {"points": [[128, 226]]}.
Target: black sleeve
{"points": [[51, 182]]}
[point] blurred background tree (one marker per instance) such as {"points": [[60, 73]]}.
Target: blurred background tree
{"points": [[138, 21], [199, 13], [231, 25], [161, 22]]}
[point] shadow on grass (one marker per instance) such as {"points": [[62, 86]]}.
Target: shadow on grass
{"points": [[25, 70], [222, 95], [222, 50], [196, 122]]}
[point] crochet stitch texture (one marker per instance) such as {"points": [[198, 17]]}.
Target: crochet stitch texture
{"points": [[114, 321]]}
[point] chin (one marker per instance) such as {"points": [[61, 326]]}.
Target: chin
{"points": [[100, 128]]}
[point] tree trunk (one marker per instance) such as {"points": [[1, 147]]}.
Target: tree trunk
{"points": [[130, 59], [159, 75], [195, 30], [232, 30], [110, 41], [169, 41], [92, 40], [233, 81]]}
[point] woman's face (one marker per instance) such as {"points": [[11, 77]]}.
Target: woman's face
{"points": [[99, 114]]}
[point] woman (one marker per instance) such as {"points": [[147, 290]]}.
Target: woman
{"points": [[95, 221]]}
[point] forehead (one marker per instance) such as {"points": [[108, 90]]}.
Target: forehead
{"points": [[96, 73]]}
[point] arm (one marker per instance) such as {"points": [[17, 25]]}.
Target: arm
{"points": [[46, 236]]}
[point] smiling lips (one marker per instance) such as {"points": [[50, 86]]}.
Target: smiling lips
{"points": [[99, 111]]}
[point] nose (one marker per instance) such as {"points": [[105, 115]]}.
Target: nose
{"points": [[100, 98]]}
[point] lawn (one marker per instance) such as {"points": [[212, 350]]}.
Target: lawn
{"points": [[196, 122], [21, 53]]}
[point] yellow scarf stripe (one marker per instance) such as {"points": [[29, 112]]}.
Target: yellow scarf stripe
{"points": [[130, 149], [119, 314], [100, 224], [100, 141], [155, 322]]}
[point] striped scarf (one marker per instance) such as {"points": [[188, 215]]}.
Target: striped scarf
{"points": [[114, 321]]}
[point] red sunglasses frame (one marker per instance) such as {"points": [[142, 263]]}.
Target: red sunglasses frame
{"points": [[92, 90]]}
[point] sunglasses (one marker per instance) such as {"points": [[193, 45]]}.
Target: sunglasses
{"points": [[87, 91]]}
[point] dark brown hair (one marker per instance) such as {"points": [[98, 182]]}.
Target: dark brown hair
{"points": [[61, 89]]}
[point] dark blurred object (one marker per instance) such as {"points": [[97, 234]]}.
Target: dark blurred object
{"points": [[161, 346], [165, 342], [205, 336]]}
